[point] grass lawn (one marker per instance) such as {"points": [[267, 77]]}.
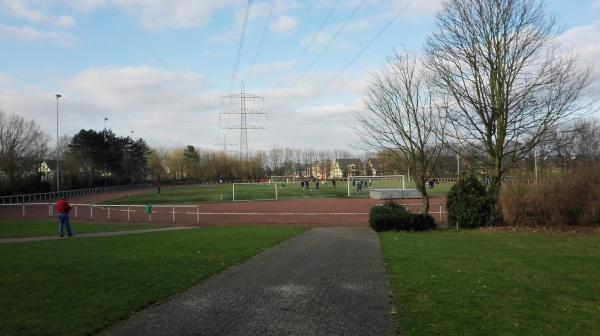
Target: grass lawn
{"points": [[79, 287], [483, 283], [13, 228], [224, 192]]}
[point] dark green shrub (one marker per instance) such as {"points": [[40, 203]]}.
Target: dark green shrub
{"points": [[422, 222], [384, 218], [392, 216], [468, 203]]}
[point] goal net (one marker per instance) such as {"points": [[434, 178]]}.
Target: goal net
{"points": [[361, 185], [285, 178], [255, 191]]}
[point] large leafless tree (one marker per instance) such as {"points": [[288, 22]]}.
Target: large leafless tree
{"points": [[402, 117], [508, 79], [23, 146]]}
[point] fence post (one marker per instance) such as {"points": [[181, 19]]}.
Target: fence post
{"points": [[108, 213], [91, 211], [440, 212], [76, 213], [173, 214], [23, 209], [49, 210], [128, 213], [197, 214]]}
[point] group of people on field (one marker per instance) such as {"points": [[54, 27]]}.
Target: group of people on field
{"points": [[361, 184], [305, 183]]}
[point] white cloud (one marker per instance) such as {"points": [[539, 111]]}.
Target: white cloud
{"points": [[65, 21], [23, 10], [30, 34], [178, 107], [179, 14], [582, 40], [284, 25]]}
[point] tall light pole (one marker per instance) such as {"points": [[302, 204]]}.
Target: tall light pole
{"points": [[458, 165], [57, 149], [106, 153]]}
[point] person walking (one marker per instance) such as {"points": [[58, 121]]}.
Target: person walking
{"points": [[333, 182], [62, 210], [158, 190]]}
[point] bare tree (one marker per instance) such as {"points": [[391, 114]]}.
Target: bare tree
{"points": [[509, 81], [23, 146], [402, 118]]}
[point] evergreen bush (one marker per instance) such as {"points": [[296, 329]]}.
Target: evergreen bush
{"points": [[468, 203], [392, 216]]}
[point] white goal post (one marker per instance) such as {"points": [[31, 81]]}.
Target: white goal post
{"points": [[256, 190], [284, 178], [377, 182]]}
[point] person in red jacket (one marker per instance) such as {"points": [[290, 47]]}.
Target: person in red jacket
{"points": [[62, 210]]}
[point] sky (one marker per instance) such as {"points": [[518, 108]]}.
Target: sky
{"points": [[161, 68]]}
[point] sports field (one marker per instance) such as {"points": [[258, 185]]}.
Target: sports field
{"points": [[244, 192]]}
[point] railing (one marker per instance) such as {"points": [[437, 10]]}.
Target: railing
{"points": [[48, 196], [169, 213]]}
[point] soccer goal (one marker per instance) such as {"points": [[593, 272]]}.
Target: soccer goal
{"points": [[284, 178], [257, 191], [360, 185]]}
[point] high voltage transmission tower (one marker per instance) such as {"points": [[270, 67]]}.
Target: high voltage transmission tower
{"points": [[236, 110]]}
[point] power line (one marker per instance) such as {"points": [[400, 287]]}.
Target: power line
{"points": [[312, 40], [262, 39], [335, 36], [241, 46], [357, 56], [330, 43]]}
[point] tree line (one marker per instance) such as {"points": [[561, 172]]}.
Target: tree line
{"points": [[89, 158], [92, 158]]}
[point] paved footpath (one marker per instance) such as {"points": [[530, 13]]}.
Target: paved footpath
{"points": [[327, 281], [90, 235]]}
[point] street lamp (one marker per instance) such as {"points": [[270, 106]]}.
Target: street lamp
{"points": [[458, 165], [57, 150], [106, 153]]}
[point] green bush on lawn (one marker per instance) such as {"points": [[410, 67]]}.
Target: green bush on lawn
{"points": [[392, 216], [468, 203]]}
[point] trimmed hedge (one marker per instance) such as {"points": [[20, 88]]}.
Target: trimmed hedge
{"points": [[395, 217]]}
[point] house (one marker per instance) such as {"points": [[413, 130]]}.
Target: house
{"points": [[319, 169], [346, 167]]}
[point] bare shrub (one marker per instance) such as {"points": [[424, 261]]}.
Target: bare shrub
{"points": [[572, 199]]}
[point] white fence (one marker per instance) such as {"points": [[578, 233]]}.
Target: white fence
{"points": [[176, 213], [48, 196]]}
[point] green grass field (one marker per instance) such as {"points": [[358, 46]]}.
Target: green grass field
{"points": [[224, 193], [483, 283], [79, 287], [14, 228]]}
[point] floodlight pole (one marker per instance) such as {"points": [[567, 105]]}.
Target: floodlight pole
{"points": [[105, 164], [57, 149], [535, 167], [458, 165]]}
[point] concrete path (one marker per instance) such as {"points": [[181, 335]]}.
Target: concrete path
{"points": [[90, 235], [327, 281]]}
